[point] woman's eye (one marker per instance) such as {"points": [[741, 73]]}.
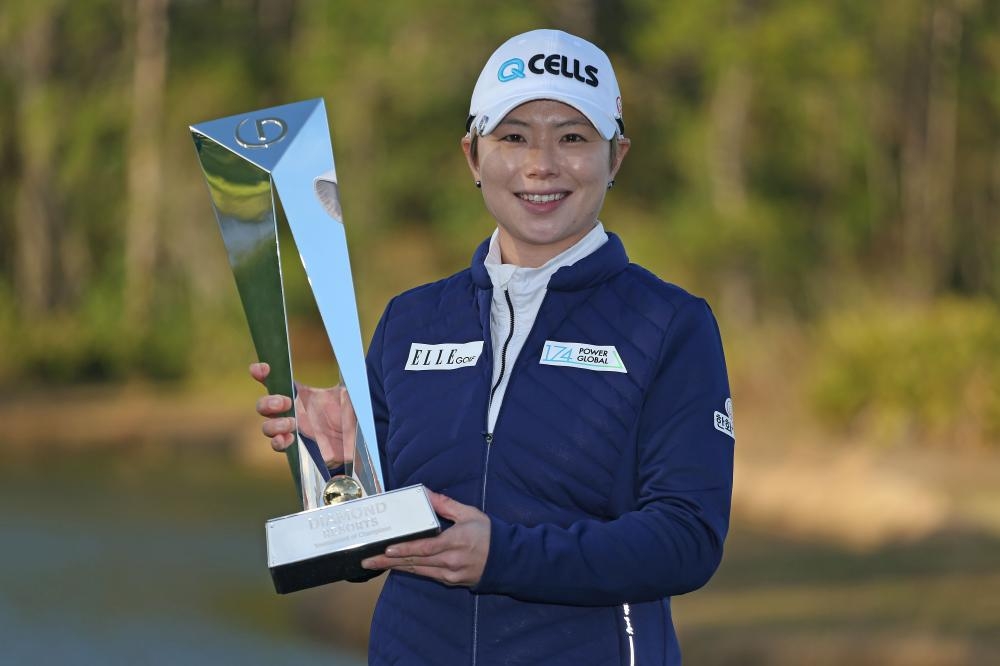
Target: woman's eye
{"points": [[512, 138], [573, 138]]}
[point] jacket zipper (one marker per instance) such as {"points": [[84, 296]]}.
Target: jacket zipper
{"points": [[488, 436], [503, 354]]}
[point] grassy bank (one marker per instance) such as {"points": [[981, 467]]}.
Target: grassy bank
{"points": [[850, 543]]}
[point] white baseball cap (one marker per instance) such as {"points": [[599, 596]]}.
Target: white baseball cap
{"points": [[547, 64]]}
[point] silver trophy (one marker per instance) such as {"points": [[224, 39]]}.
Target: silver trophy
{"points": [[247, 159]]}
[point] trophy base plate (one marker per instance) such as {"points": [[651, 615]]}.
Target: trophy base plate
{"points": [[327, 544]]}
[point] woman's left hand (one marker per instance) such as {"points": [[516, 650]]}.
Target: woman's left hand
{"points": [[457, 556]]}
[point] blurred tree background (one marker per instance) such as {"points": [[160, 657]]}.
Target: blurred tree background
{"points": [[827, 174], [793, 161]]}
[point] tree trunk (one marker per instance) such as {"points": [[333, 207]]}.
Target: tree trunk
{"points": [[729, 111], [578, 17], [34, 208], [144, 161], [942, 130], [929, 161]]}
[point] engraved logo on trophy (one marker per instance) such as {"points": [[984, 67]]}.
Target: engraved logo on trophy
{"points": [[262, 140], [355, 516]]}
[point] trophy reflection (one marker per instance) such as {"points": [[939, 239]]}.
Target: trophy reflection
{"points": [[345, 487], [270, 167]]}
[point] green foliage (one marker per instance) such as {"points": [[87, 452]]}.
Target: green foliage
{"points": [[67, 347], [90, 345], [781, 150], [926, 375]]}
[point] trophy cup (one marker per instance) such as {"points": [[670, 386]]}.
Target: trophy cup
{"points": [[246, 160]]}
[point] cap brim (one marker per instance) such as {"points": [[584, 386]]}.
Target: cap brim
{"points": [[605, 125]]}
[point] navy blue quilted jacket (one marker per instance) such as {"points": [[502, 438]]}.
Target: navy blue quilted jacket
{"points": [[608, 492]]}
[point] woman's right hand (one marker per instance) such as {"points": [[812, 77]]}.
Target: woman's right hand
{"points": [[320, 415]]}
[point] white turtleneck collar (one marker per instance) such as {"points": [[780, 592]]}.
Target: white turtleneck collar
{"points": [[502, 274], [526, 288]]}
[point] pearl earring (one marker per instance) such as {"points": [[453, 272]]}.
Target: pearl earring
{"points": [[479, 183], [611, 183]]}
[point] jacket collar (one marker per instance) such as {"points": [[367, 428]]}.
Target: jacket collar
{"points": [[603, 263]]}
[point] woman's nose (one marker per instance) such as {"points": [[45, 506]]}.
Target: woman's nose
{"points": [[541, 160]]}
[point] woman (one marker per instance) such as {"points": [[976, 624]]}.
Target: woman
{"points": [[577, 425]]}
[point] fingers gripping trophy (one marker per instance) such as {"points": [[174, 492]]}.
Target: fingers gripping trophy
{"points": [[250, 160]]}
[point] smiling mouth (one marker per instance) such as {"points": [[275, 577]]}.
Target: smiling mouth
{"points": [[542, 198]]}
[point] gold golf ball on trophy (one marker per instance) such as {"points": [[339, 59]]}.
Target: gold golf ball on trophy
{"points": [[341, 489]]}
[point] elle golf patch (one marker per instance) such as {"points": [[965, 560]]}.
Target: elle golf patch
{"points": [[447, 356]]}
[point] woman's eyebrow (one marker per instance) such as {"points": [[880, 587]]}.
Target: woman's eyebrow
{"points": [[512, 121], [570, 122], [560, 124]]}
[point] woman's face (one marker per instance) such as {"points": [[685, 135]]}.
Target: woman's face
{"points": [[544, 172]]}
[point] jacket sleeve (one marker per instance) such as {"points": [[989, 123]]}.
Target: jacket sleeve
{"points": [[671, 541]]}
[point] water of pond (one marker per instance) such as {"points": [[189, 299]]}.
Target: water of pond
{"points": [[144, 558]]}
